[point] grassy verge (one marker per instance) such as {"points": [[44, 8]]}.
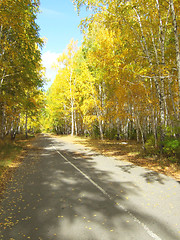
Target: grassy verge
{"points": [[11, 156], [130, 151]]}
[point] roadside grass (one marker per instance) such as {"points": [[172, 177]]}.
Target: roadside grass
{"points": [[8, 152], [130, 151], [11, 156]]}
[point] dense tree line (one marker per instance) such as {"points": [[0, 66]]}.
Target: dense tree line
{"points": [[20, 69], [124, 81]]}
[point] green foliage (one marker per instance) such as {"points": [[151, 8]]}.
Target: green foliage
{"points": [[96, 131], [172, 130], [150, 145], [111, 134], [172, 147], [150, 141]]}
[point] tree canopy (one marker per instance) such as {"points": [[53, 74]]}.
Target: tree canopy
{"points": [[124, 80], [20, 67]]}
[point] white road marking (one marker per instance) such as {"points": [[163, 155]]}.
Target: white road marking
{"points": [[148, 231]]}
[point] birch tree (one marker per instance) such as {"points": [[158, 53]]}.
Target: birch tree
{"points": [[19, 56]]}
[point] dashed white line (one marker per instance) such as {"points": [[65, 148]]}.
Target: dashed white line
{"points": [[148, 231]]}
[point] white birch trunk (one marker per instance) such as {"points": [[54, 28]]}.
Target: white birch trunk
{"points": [[176, 46], [158, 86]]}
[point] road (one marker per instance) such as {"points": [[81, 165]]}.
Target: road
{"points": [[64, 191]]}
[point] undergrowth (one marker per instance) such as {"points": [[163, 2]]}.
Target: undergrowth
{"points": [[10, 150]]}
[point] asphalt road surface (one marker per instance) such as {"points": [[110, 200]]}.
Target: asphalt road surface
{"points": [[64, 191]]}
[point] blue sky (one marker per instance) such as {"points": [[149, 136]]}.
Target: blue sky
{"points": [[58, 22]]}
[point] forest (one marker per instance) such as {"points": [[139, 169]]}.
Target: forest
{"points": [[123, 82], [21, 73]]}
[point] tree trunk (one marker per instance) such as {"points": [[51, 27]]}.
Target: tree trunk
{"points": [[157, 85], [26, 122], [142, 133], [101, 129], [177, 47], [75, 123], [137, 130], [2, 120], [172, 99], [155, 129], [72, 119]]}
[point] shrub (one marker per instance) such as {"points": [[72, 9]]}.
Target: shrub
{"points": [[111, 134], [172, 147], [150, 142], [96, 132], [150, 146]]}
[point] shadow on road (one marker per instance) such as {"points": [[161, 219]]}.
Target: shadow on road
{"points": [[151, 177], [48, 199]]}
